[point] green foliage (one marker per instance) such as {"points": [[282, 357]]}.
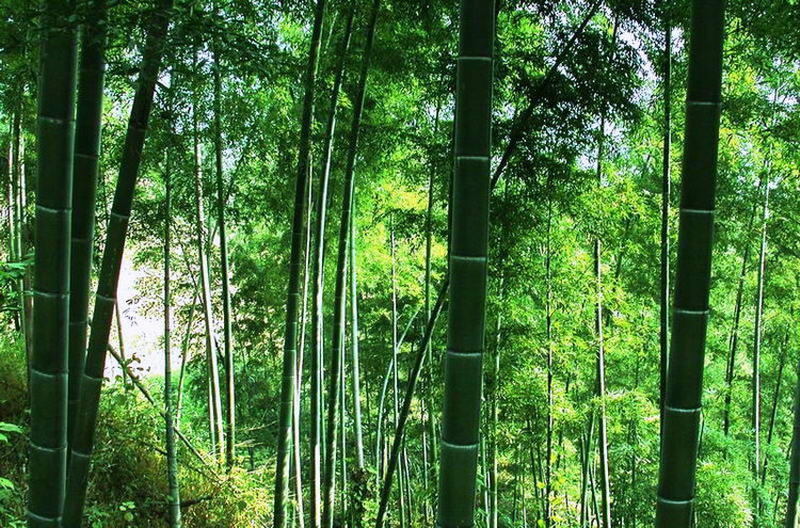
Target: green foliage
{"points": [[13, 432], [406, 138], [129, 477]]}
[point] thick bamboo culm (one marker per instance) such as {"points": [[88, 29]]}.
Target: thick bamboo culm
{"points": [[51, 287], [682, 406], [469, 232]]}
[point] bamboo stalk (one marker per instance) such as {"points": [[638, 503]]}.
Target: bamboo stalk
{"points": [[173, 487], [468, 264], [293, 291], [86, 414], [676, 488], [338, 329], [49, 363]]}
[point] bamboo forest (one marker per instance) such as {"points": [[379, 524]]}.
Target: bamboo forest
{"points": [[399, 263]]}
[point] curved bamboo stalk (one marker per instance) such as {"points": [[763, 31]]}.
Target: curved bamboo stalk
{"points": [[149, 397], [86, 414], [339, 293]]}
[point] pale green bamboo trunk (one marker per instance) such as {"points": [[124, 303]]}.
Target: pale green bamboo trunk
{"points": [[17, 234], [338, 328], [354, 344], [318, 281], [173, 487], [227, 334], [212, 364], [757, 334], [663, 315]]}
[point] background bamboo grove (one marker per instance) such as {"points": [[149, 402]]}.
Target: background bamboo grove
{"points": [[379, 263]]}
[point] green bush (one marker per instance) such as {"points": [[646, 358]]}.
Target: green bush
{"points": [[128, 479]]}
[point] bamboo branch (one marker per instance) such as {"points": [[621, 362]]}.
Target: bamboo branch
{"points": [[138, 384]]}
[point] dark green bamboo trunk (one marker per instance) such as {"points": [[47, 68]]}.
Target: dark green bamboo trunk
{"points": [[548, 512], [297, 403], [401, 502], [173, 489], [733, 342], [469, 231], [518, 127], [338, 327], [773, 415], [293, 293], [676, 487], [86, 414], [602, 441], [87, 149], [227, 336], [791, 519], [48, 372], [343, 499]]}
